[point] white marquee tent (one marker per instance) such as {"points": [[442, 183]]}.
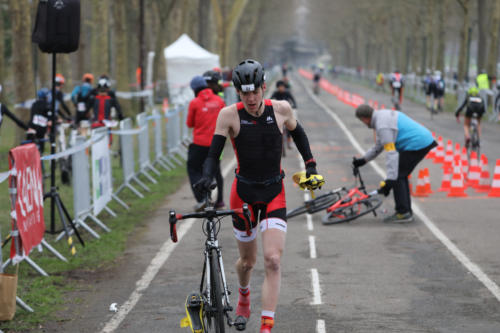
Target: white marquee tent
{"points": [[185, 59]]}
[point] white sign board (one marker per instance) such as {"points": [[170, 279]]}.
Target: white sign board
{"points": [[101, 174]]}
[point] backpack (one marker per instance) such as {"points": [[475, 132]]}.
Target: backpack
{"points": [[57, 26]]}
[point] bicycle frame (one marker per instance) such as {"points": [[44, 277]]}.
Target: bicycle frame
{"points": [[353, 196], [210, 225], [210, 244]]}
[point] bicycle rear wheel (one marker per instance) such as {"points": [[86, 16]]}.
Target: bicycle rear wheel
{"points": [[346, 214], [315, 205], [217, 312]]}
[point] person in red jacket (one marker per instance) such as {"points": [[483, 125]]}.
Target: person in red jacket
{"points": [[202, 116]]}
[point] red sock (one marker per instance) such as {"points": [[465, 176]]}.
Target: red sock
{"points": [[243, 307], [266, 324]]}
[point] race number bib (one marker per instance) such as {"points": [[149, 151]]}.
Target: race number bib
{"points": [[81, 107], [396, 84], [40, 120]]}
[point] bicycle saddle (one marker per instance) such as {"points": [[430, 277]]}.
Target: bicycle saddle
{"points": [[312, 183]]}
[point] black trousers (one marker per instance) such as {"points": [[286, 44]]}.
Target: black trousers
{"points": [[196, 157], [408, 160]]}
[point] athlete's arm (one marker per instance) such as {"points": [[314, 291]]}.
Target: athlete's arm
{"points": [[459, 109], [224, 126], [386, 140], [298, 135], [118, 108]]}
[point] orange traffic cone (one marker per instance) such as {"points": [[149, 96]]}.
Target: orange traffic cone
{"points": [[382, 107], [457, 149], [439, 151], [495, 184], [445, 182], [484, 180], [474, 171], [457, 181], [432, 153], [420, 190], [465, 163], [448, 158], [427, 182]]}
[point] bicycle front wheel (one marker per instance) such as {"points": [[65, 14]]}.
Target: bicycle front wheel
{"points": [[216, 293], [351, 212], [315, 205]]}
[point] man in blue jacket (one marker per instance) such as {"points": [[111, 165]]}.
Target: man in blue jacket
{"points": [[406, 143]]}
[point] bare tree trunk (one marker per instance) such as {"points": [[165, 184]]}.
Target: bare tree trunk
{"points": [[203, 10], [21, 57], [482, 46], [100, 37], [493, 52], [464, 35], [120, 69], [226, 25], [2, 49], [441, 36]]}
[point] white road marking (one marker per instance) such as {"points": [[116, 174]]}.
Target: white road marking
{"points": [[309, 220], [316, 287], [312, 247], [461, 257], [320, 326], [154, 266]]}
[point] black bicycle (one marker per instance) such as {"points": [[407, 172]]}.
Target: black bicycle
{"points": [[318, 203], [474, 144], [207, 308]]}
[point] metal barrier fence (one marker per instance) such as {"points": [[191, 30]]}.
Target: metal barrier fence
{"points": [[85, 186]]}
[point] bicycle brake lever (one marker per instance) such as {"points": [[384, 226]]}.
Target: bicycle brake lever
{"points": [[173, 226]]}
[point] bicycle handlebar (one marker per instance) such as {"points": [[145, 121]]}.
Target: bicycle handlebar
{"points": [[208, 213]]}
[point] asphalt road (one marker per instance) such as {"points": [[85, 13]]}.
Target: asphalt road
{"points": [[362, 276]]}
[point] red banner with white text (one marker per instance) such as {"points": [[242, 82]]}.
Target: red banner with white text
{"points": [[26, 177]]}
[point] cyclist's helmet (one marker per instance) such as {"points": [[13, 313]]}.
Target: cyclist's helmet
{"points": [[59, 79], [103, 82], [43, 94], [248, 75], [473, 91], [212, 76], [87, 77]]}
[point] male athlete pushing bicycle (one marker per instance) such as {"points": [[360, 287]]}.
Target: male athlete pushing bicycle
{"points": [[255, 126]]}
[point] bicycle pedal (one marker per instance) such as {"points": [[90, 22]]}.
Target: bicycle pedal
{"points": [[194, 312]]}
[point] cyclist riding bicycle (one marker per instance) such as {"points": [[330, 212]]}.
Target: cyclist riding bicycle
{"points": [[80, 97], [40, 118], [397, 85], [475, 108], [102, 103], [255, 126], [316, 79], [406, 143], [437, 87], [60, 99]]}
